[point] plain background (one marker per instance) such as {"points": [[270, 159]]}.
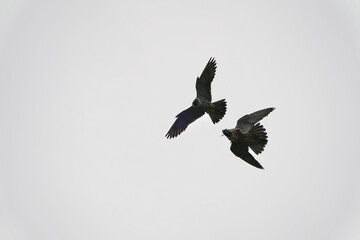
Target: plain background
{"points": [[88, 90]]}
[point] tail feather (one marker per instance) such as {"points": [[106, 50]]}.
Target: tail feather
{"points": [[218, 111], [260, 136]]}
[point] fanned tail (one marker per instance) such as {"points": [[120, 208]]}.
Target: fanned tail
{"points": [[260, 136], [218, 111]]}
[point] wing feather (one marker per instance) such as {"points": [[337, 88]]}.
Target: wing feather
{"points": [[183, 120], [203, 83], [242, 151], [246, 122]]}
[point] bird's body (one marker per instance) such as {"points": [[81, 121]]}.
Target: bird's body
{"points": [[202, 103], [246, 134], [247, 138]]}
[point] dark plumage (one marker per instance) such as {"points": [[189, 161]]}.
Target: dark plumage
{"points": [[246, 134], [202, 103]]}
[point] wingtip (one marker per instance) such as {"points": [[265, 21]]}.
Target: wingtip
{"points": [[169, 134], [212, 59], [257, 165], [269, 110], [172, 133]]}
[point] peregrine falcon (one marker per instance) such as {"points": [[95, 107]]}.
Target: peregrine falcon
{"points": [[246, 134], [202, 103]]}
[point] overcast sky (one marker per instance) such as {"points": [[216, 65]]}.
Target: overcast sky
{"points": [[88, 90]]}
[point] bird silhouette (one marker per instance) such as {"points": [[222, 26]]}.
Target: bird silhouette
{"points": [[246, 134], [202, 103]]}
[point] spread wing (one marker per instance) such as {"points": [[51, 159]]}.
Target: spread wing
{"points": [[183, 120], [248, 121], [242, 151], [203, 83]]}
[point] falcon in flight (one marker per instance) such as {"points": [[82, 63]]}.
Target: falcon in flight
{"points": [[202, 103], [246, 134]]}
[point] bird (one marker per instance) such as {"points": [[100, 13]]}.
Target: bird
{"points": [[202, 103], [246, 134]]}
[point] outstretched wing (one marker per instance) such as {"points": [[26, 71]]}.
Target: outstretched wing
{"points": [[242, 151], [203, 83], [183, 120], [248, 121]]}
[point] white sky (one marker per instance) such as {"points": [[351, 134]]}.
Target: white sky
{"points": [[88, 90]]}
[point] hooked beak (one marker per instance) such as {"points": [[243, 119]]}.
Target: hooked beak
{"points": [[226, 132]]}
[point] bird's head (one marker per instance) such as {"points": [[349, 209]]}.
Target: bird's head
{"points": [[227, 133], [195, 102]]}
